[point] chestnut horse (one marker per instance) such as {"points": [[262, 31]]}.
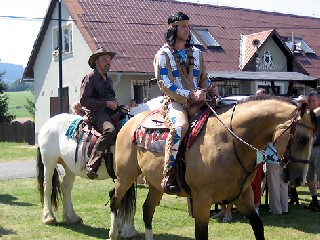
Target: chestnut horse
{"points": [[221, 164]]}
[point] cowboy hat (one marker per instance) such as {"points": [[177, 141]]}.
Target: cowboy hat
{"points": [[99, 52], [302, 98]]}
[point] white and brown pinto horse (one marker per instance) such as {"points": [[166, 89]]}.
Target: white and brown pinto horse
{"points": [[219, 167], [55, 147]]}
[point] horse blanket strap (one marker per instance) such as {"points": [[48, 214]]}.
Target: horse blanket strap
{"points": [[154, 138]]}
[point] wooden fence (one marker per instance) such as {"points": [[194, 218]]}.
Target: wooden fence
{"points": [[18, 132]]}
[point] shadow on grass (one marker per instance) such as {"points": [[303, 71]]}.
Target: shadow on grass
{"points": [[4, 231], [293, 219], [169, 237], [102, 233], [11, 200], [99, 233]]}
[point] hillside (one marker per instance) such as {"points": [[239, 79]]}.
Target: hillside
{"points": [[16, 102], [13, 72]]}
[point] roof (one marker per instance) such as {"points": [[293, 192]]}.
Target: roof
{"points": [[253, 76], [135, 30]]}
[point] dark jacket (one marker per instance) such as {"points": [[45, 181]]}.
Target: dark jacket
{"points": [[317, 142], [95, 91]]}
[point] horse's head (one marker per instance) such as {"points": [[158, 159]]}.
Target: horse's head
{"points": [[299, 138]]}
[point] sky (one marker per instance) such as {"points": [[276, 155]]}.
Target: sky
{"points": [[18, 36]]}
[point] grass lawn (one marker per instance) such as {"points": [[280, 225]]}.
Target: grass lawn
{"points": [[21, 215], [16, 102], [11, 151]]}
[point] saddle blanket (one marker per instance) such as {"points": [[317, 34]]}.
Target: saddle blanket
{"points": [[154, 139]]}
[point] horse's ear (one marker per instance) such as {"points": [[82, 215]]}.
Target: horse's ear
{"points": [[303, 109]]}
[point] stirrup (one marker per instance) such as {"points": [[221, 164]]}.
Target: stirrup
{"points": [[169, 186], [91, 173]]}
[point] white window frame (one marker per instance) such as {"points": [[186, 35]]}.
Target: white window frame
{"points": [[67, 40], [203, 34]]}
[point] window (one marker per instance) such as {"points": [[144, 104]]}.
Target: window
{"points": [[66, 40], [204, 36], [140, 90], [227, 87], [195, 41], [299, 45]]}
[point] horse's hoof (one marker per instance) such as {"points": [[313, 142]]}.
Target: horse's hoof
{"points": [[50, 221], [78, 220]]}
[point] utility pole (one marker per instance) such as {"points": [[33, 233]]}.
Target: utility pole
{"points": [[60, 60]]}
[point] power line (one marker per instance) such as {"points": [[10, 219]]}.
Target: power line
{"points": [[130, 23]]}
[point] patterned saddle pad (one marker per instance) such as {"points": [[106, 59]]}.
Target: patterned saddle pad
{"points": [[152, 133]]}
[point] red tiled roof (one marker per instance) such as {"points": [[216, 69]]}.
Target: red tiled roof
{"points": [[135, 30]]}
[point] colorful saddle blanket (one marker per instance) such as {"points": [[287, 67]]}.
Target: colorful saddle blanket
{"points": [[152, 132], [83, 132]]}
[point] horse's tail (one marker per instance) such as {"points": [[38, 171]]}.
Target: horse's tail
{"points": [[56, 191], [127, 207]]}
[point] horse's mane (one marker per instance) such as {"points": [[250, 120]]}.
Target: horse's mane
{"points": [[156, 103], [269, 97]]}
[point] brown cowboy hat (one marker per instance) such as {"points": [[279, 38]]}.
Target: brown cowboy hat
{"points": [[99, 52]]}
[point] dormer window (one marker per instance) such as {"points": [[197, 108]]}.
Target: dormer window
{"points": [[204, 38], [299, 46], [195, 41]]}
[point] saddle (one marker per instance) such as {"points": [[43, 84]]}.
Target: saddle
{"points": [[85, 131], [152, 132]]}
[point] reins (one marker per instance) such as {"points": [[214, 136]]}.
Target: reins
{"points": [[283, 162]]}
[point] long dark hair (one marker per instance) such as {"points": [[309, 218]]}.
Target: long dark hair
{"points": [[171, 34]]}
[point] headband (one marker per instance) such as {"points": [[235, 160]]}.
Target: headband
{"points": [[177, 23]]}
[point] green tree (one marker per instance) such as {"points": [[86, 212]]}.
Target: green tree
{"points": [[19, 85], [30, 106], [4, 115]]}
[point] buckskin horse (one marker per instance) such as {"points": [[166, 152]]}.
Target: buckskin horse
{"points": [[221, 164], [57, 146]]}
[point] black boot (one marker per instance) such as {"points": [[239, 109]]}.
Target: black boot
{"points": [[92, 169], [169, 185]]}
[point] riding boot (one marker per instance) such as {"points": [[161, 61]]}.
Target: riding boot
{"points": [[98, 154], [169, 184]]}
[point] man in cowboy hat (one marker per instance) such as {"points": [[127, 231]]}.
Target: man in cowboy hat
{"points": [[98, 96]]}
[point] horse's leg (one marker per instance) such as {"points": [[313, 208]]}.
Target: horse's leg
{"points": [[69, 214], [124, 191], [246, 207], [201, 211], [152, 201], [123, 222], [49, 167]]}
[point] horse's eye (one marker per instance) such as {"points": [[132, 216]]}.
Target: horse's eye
{"points": [[303, 140]]}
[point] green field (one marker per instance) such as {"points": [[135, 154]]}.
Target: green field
{"points": [[21, 215], [16, 102], [21, 212], [13, 152]]}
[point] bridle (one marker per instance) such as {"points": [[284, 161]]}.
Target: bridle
{"points": [[284, 159], [287, 155]]}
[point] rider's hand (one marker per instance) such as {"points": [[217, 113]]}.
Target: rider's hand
{"points": [[198, 95], [213, 91], [112, 105]]}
